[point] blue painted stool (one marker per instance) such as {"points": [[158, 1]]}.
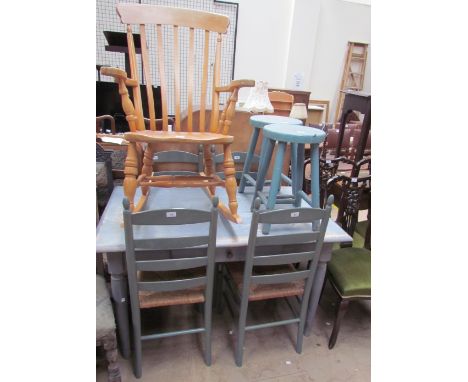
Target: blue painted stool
{"points": [[258, 122], [297, 137]]}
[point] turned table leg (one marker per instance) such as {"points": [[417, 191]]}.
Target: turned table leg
{"points": [[319, 278], [119, 297]]}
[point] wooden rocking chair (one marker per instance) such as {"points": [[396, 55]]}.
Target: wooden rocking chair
{"points": [[142, 142]]}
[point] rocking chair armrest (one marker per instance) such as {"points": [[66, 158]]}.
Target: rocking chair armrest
{"points": [[118, 74], [236, 84]]}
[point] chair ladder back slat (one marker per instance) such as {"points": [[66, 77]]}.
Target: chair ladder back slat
{"points": [[296, 215], [279, 278], [284, 258], [206, 51], [162, 76], [288, 239], [170, 217], [215, 100], [171, 264], [176, 59], [173, 285], [134, 74], [171, 243], [148, 80], [190, 70]]}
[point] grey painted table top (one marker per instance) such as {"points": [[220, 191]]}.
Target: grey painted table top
{"points": [[110, 233]]}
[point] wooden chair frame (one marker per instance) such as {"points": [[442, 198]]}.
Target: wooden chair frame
{"points": [[143, 142]]}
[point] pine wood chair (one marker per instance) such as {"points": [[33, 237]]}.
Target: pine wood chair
{"points": [[282, 102], [139, 163]]}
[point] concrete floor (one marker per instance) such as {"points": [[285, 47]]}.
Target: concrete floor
{"points": [[269, 353]]}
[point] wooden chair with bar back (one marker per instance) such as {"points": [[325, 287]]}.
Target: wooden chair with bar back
{"points": [[139, 163]]}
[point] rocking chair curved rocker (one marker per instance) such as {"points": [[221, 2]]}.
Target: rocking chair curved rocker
{"points": [[142, 143]]}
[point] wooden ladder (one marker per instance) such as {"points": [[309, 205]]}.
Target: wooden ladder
{"points": [[353, 72]]}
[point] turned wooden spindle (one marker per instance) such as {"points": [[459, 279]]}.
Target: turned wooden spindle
{"points": [[131, 173], [230, 176]]}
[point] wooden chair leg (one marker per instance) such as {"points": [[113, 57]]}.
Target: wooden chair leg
{"points": [[230, 178], [241, 332], [342, 308], [113, 369], [209, 165], [131, 173], [147, 166]]}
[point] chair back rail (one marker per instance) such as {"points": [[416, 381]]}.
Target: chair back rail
{"points": [[162, 17]]}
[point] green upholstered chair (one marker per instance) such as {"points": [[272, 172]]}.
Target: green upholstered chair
{"points": [[349, 270]]}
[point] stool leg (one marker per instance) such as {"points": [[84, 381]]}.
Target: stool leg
{"points": [[267, 150], [294, 173], [314, 176], [299, 172], [275, 181], [248, 159]]}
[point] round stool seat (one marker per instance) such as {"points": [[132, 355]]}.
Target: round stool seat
{"points": [[294, 134], [259, 121]]}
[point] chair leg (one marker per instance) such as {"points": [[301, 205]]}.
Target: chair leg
{"points": [[113, 369], [207, 334], [230, 179], [342, 308], [209, 165], [241, 331], [131, 173], [147, 166], [136, 322]]}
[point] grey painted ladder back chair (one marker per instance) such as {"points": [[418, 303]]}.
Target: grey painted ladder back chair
{"points": [[277, 275], [149, 282]]}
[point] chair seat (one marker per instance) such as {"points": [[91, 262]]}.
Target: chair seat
{"points": [[180, 297], [260, 121], [266, 291], [150, 136], [105, 323], [350, 270], [294, 134]]}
